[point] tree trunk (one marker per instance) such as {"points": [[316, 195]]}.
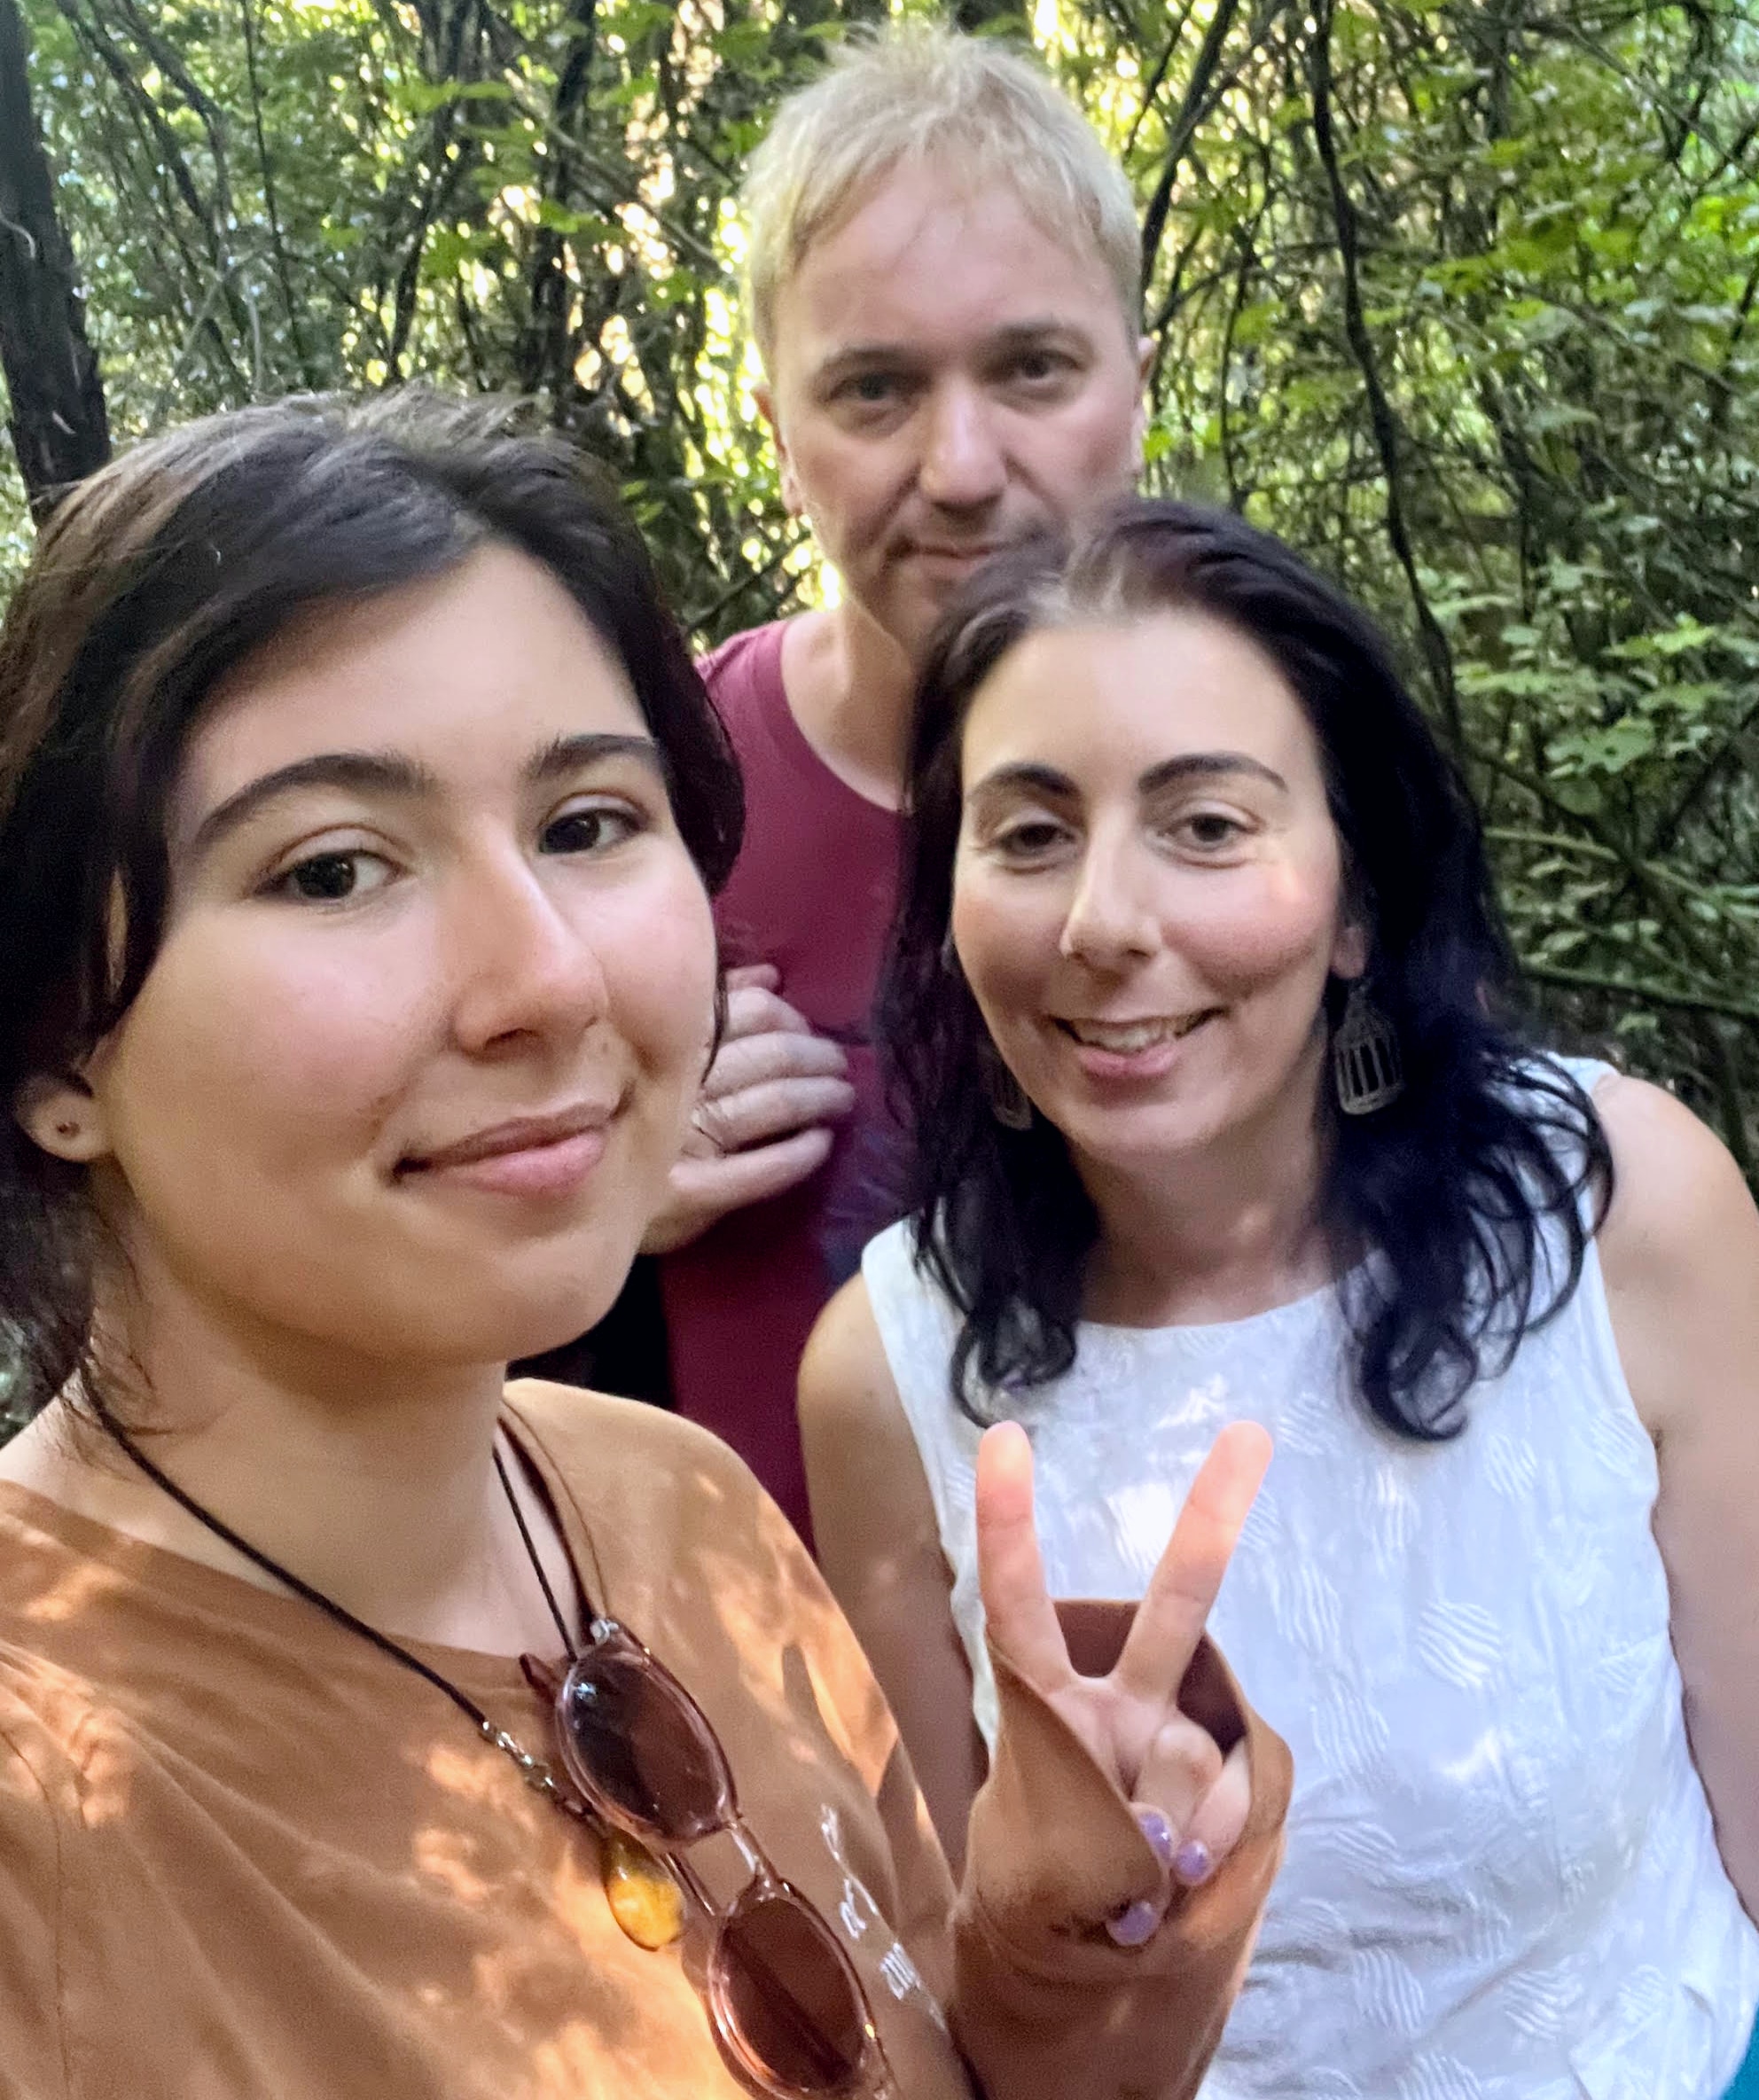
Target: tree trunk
{"points": [[59, 429]]}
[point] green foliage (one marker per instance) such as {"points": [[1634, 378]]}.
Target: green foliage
{"points": [[276, 195], [1458, 297], [1457, 294]]}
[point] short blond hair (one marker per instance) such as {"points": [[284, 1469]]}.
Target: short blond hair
{"points": [[921, 92]]}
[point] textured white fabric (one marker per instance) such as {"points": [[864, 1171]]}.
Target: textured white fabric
{"points": [[1502, 1882]]}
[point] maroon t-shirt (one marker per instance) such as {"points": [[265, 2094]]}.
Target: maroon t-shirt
{"points": [[812, 893]]}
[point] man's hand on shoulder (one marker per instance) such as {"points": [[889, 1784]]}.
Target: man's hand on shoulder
{"points": [[763, 1120]]}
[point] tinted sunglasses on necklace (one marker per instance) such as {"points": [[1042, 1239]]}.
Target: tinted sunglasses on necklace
{"points": [[787, 2008]]}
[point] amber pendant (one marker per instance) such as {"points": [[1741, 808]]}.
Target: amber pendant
{"points": [[641, 1890], [645, 1899]]}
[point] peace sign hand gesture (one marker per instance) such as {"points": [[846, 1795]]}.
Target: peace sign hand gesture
{"points": [[1190, 1799]]}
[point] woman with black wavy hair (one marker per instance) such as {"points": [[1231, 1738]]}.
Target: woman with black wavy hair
{"points": [[1209, 1031]]}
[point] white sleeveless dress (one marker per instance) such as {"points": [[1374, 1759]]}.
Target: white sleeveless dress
{"points": [[1501, 1881]]}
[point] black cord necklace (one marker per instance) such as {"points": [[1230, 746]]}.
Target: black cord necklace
{"points": [[536, 1773]]}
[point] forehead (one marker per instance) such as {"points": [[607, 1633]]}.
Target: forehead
{"points": [[464, 671], [1117, 697], [928, 257]]}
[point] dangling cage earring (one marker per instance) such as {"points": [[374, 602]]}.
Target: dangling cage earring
{"points": [[1367, 1067]]}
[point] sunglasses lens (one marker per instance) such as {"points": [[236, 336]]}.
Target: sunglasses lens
{"points": [[634, 1737], [787, 1999]]}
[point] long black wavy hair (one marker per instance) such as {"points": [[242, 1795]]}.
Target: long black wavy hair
{"points": [[152, 581], [1465, 1195]]}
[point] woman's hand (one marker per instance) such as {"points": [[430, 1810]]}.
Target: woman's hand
{"points": [[1190, 1799]]}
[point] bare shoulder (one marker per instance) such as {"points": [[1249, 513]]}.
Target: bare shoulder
{"points": [[844, 1376], [879, 1536], [1678, 1197], [1679, 1251], [873, 1510], [855, 1434]]}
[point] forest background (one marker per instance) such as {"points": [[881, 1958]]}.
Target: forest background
{"points": [[1457, 294]]}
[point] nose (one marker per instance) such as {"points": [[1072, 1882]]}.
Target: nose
{"points": [[525, 973], [1112, 920], [964, 465]]}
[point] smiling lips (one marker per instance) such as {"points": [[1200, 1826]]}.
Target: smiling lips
{"points": [[532, 1156], [1127, 1038]]}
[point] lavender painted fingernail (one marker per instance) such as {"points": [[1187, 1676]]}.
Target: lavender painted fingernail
{"points": [[1158, 1833], [1191, 1862], [1136, 1924]]}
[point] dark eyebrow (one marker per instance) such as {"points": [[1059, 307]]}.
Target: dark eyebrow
{"points": [[1028, 776], [1206, 765], [568, 754], [390, 773], [366, 772]]}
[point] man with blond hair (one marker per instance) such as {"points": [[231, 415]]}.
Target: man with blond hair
{"points": [[944, 287]]}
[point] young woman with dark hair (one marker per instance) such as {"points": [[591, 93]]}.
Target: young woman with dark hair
{"points": [[1201, 1011], [367, 1729]]}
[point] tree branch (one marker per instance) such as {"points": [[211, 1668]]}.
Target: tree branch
{"points": [[1622, 987], [1152, 87], [277, 246], [1436, 653], [60, 431], [1182, 131]]}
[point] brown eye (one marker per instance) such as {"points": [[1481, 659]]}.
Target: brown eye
{"points": [[1210, 831], [592, 830], [1022, 841], [334, 878], [326, 880]]}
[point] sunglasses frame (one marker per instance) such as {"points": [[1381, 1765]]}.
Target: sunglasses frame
{"points": [[609, 1640]]}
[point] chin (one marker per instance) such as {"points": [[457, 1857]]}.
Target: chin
{"points": [[527, 1309], [550, 1321], [1132, 1139], [907, 617]]}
